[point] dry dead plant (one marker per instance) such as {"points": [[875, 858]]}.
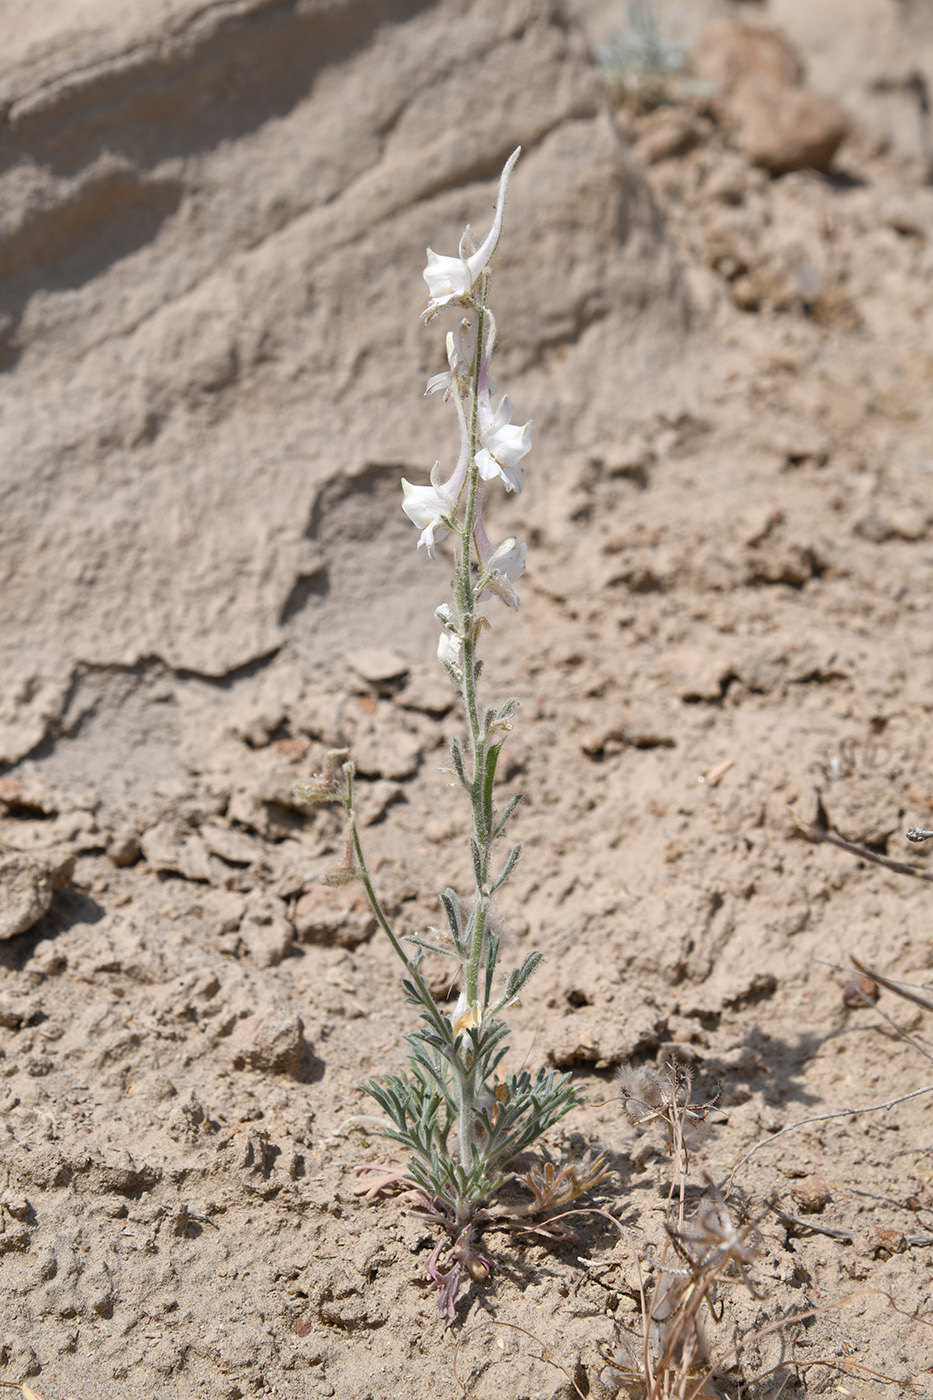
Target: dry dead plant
{"points": [[705, 1251], [702, 1253], [665, 1097]]}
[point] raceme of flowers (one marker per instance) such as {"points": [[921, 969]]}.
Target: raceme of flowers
{"points": [[492, 447]]}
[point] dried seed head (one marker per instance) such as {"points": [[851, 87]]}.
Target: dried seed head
{"points": [[641, 1092], [331, 784], [713, 1246]]}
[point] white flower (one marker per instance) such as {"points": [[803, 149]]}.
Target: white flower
{"points": [[444, 380], [449, 649], [461, 346], [503, 446], [461, 349], [504, 567], [426, 507], [453, 279], [431, 507]]}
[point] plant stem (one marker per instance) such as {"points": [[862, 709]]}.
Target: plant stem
{"points": [[467, 600], [430, 1006]]}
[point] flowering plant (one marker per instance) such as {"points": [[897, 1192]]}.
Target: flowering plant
{"points": [[462, 1118]]}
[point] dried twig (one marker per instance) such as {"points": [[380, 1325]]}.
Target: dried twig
{"points": [[825, 1118], [784, 1215], [546, 1354], [901, 988], [911, 1040], [820, 830]]}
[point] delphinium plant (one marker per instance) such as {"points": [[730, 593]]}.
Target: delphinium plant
{"points": [[466, 1122]]}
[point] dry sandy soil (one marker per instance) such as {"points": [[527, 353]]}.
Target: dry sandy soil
{"points": [[211, 235]]}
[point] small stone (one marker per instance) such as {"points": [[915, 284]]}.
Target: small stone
{"points": [[235, 847], [124, 848], [697, 674], [168, 849], [671, 132], [98, 1289], [886, 1242], [267, 941], [864, 808], [327, 916], [811, 1194], [378, 666], [17, 1205], [780, 124], [382, 748], [256, 727], [16, 1013], [154, 1088], [800, 444], [601, 1037], [428, 690], [221, 911], [29, 793], [23, 1361], [860, 991], [185, 1118], [270, 1043], [729, 180], [25, 893], [785, 129], [645, 729], [879, 524], [379, 796]]}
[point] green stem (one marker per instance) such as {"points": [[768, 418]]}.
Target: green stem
{"points": [[438, 1020], [466, 605], [466, 597]]}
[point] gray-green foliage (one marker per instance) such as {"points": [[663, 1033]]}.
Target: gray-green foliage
{"points": [[640, 51]]}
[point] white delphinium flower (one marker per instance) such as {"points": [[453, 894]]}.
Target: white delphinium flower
{"points": [[505, 569], [502, 566], [427, 507], [450, 642], [461, 349], [431, 508], [449, 649], [504, 444], [453, 279]]}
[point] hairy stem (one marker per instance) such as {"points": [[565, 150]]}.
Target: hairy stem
{"points": [[430, 1006]]}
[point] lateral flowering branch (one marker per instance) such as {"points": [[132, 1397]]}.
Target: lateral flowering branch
{"points": [[462, 1117]]}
